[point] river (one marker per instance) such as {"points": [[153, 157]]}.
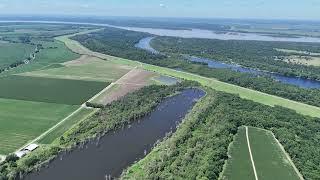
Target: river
{"points": [[301, 82], [189, 33], [118, 150]]}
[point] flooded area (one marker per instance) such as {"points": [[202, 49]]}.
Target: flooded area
{"points": [[117, 150]]}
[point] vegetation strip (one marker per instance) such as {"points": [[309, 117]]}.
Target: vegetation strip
{"points": [[251, 158]]}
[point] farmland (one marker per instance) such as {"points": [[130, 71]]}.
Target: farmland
{"points": [[60, 91], [269, 160], [44, 102], [22, 121], [14, 52], [61, 129], [84, 68]]}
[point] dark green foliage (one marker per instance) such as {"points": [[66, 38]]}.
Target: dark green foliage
{"points": [[254, 54], [11, 158], [117, 42], [94, 105]]}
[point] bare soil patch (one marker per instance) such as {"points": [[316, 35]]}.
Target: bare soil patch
{"points": [[133, 81]]}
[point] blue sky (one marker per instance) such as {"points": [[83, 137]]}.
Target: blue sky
{"points": [[266, 9]]}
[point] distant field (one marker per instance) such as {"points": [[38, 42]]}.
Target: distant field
{"points": [[61, 91], [22, 121], [14, 52], [55, 52], [61, 129], [270, 162], [85, 68], [303, 60]]}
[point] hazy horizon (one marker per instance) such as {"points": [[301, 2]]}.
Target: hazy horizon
{"points": [[229, 9]]}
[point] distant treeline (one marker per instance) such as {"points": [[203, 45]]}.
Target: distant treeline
{"points": [[253, 54], [121, 43], [198, 149]]}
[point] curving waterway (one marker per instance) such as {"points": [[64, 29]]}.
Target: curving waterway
{"points": [[118, 150], [301, 82]]}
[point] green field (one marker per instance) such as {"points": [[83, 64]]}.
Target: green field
{"points": [[60, 91], [14, 52], [245, 93], [87, 68], [55, 52], [22, 121], [66, 125], [239, 165], [270, 161]]}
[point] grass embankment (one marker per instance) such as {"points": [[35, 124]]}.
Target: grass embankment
{"points": [[212, 83], [22, 121], [61, 91]]}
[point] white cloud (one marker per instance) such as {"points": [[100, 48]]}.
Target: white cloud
{"points": [[162, 5]]}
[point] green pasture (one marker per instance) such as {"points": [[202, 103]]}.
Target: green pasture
{"points": [[60, 91], [14, 52], [23, 121], [93, 69], [270, 161]]}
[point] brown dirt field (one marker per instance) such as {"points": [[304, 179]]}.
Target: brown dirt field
{"points": [[136, 76], [133, 81]]}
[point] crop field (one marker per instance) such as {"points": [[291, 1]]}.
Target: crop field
{"points": [[55, 52], [22, 121], [270, 161], [85, 68], [239, 165], [60, 91], [14, 52]]}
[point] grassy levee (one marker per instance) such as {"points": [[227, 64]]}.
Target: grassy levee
{"points": [[22, 121], [212, 83], [239, 165], [65, 126]]}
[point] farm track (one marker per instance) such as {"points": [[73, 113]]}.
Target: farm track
{"points": [[251, 157]]}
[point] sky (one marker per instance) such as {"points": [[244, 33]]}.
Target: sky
{"points": [[257, 9]]}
